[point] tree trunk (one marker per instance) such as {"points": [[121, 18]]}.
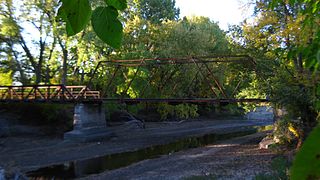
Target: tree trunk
{"points": [[64, 67], [34, 64], [64, 62]]}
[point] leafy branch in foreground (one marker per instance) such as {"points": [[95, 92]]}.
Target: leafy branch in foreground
{"points": [[104, 19]]}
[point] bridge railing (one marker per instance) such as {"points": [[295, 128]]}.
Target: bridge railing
{"points": [[47, 93]]}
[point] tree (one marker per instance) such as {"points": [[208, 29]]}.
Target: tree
{"points": [[277, 39], [157, 11], [14, 31], [35, 47], [194, 36]]}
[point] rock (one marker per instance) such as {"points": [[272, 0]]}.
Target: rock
{"points": [[2, 174], [127, 120], [127, 127], [280, 113], [276, 139], [19, 176], [266, 142], [135, 124], [15, 175]]}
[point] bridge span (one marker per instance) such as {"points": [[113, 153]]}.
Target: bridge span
{"points": [[82, 94], [89, 118], [202, 73]]}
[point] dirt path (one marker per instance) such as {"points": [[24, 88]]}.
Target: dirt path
{"points": [[238, 158]]}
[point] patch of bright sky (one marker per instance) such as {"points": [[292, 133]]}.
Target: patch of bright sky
{"points": [[225, 12]]}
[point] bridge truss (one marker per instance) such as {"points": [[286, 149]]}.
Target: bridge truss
{"points": [[163, 75], [48, 93], [144, 73]]}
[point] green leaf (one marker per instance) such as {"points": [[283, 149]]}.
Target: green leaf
{"points": [[315, 7], [307, 162], [318, 89], [318, 56], [76, 14], [118, 4], [318, 105], [291, 2], [291, 54], [107, 26], [310, 62]]}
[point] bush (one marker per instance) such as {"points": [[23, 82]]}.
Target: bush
{"points": [[287, 132], [181, 111], [59, 117], [279, 167]]}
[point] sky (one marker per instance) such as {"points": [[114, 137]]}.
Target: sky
{"points": [[223, 11]]}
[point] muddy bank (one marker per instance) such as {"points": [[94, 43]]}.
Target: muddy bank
{"points": [[238, 158]]}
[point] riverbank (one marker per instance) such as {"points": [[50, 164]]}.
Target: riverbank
{"points": [[237, 158], [31, 152]]}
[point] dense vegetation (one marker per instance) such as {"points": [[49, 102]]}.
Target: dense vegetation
{"points": [[36, 46], [151, 29]]}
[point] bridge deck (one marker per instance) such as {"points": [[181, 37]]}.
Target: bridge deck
{"points": [[72, 94], [183, 100]]}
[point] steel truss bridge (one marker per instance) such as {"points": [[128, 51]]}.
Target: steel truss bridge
{"points": [[74, 94]]}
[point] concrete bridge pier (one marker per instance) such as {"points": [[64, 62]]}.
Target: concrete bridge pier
{"points": [[89, 123]]}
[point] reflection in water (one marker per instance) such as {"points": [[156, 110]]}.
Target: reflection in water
{"points": [[114, 161]]}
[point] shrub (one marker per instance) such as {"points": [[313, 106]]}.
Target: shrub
{"points": [[59, 117], [181, 111], [286, 131]]}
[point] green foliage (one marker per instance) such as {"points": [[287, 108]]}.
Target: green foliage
{"points": [[194, 36], [251, 90], [118, 4], [287, 32], [279, 166], [6, 78], [165, 111], [286, 131], [287, 53], [307, 164], [135, 109], [317, 101], [186, 111], [235, 109], [9, 28], [77, 13], [107, 26], [302, 47], [57, 117], [204, 177], [181, 111], [111, 108], [296, 98], [157, 11]]}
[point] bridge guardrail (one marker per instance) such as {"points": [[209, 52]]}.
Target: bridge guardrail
{"points": [[48, 93]]}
